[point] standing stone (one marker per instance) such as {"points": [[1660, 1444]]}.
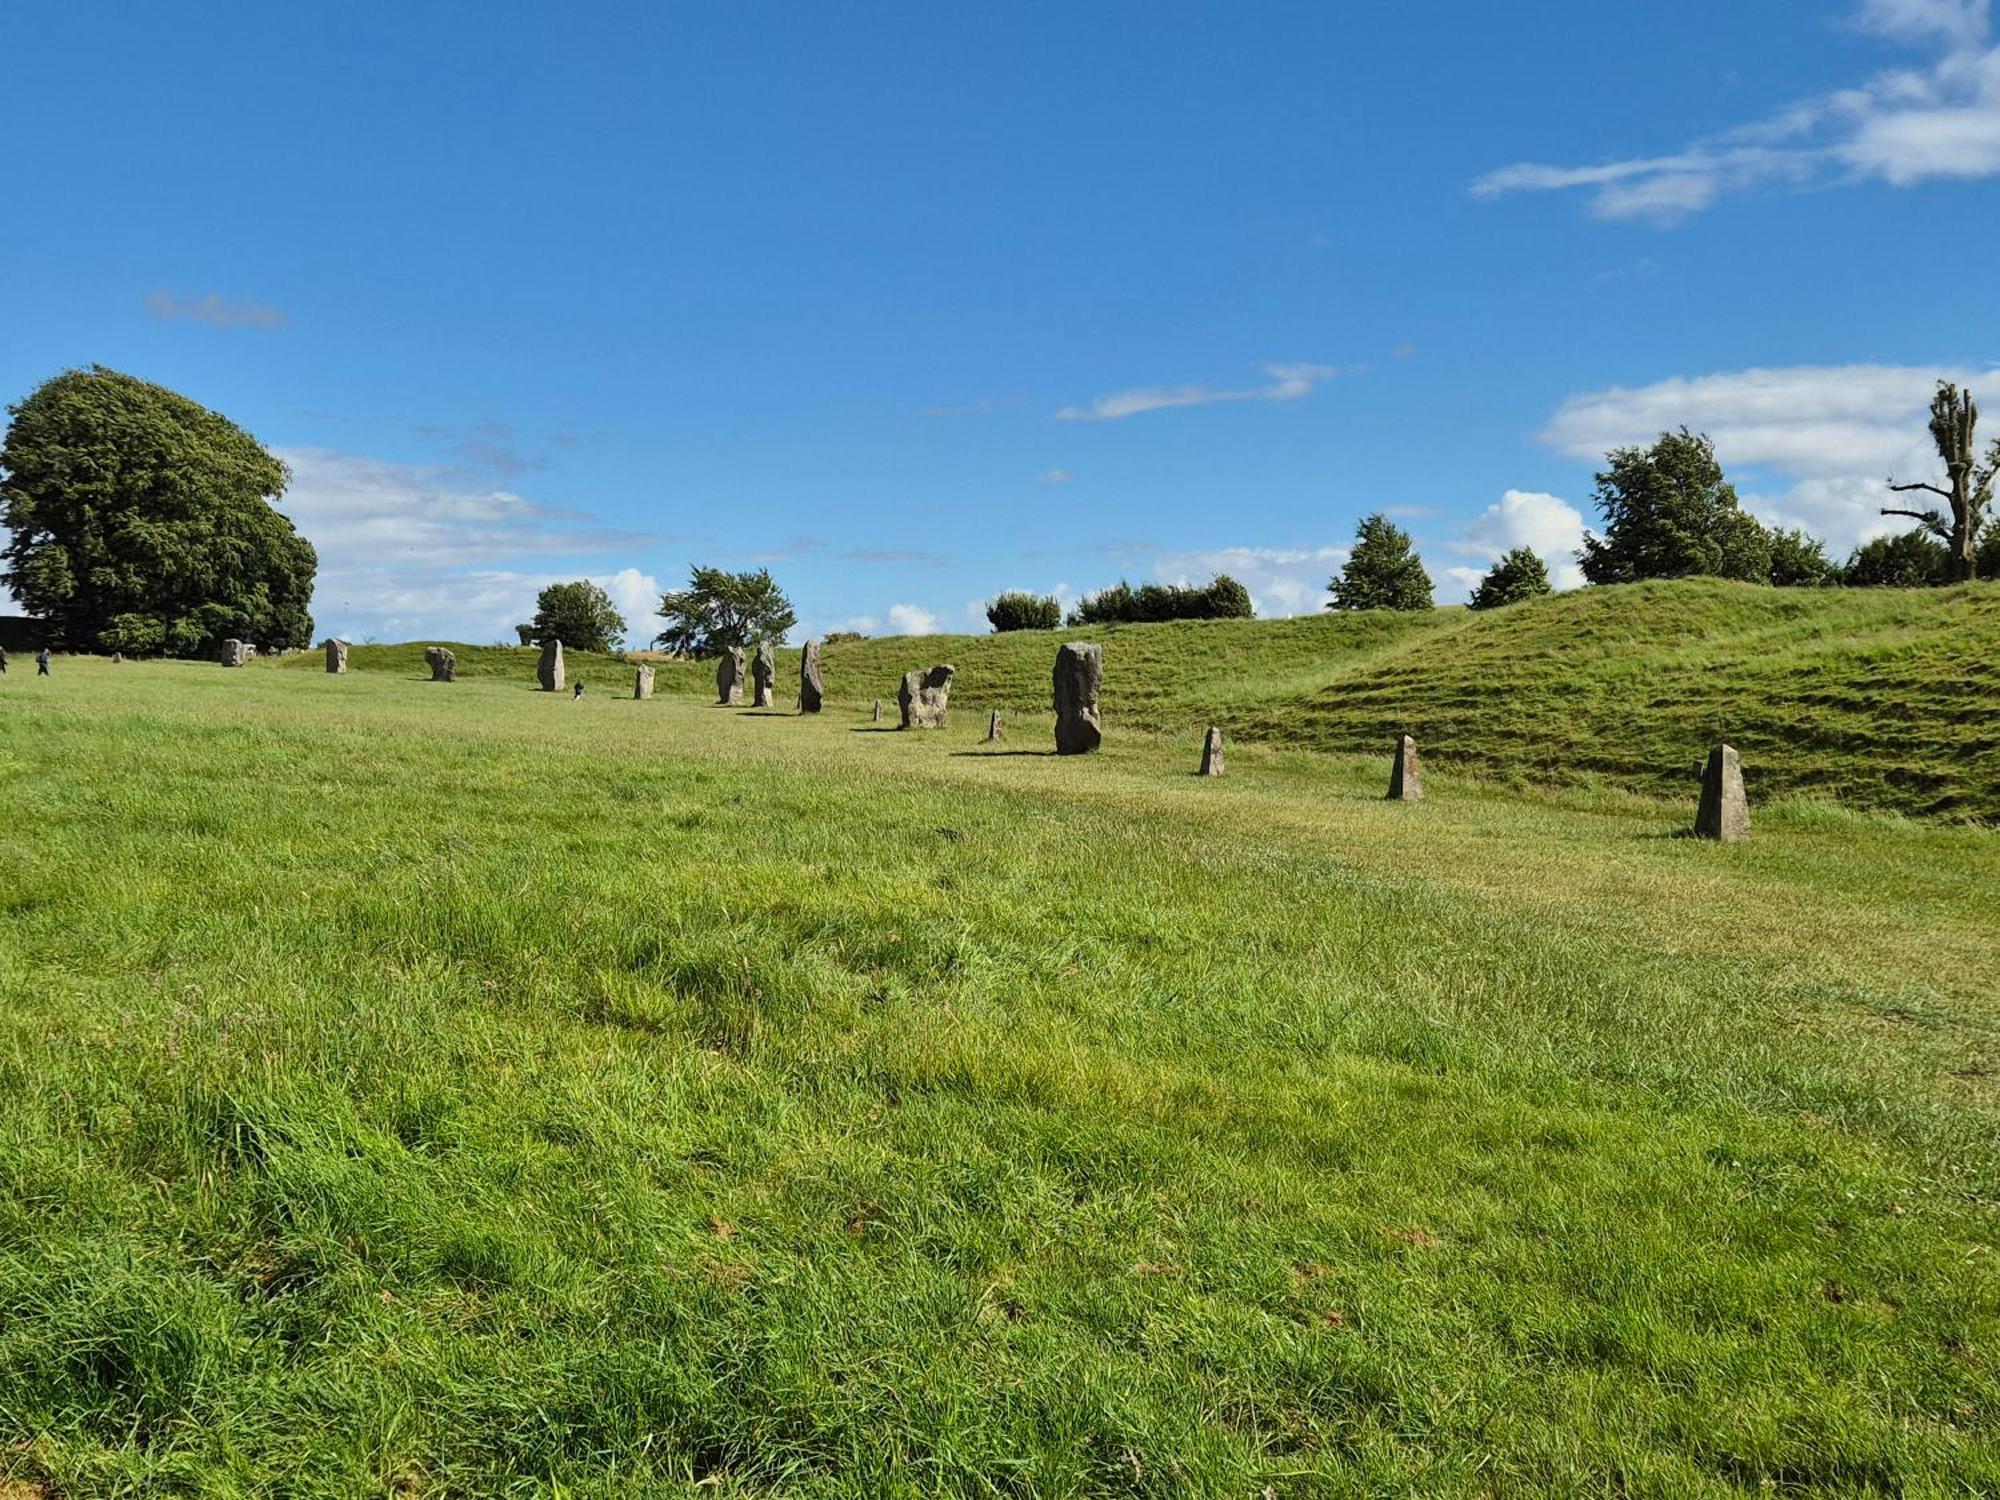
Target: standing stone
{"points": [[336, 654], [925, 696], [994, 735], [444, 663], [1211, 752], [878, 711], [1079, 672], [763, 671], [1406, 780], [1724, 812], [812, 687], [729, 678], [235, 653], [549, 670], [642, 682]]}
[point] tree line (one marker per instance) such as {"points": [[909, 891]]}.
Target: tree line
{"points": [[142, 522]]}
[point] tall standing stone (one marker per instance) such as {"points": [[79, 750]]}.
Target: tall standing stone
{"points": [[994, 733], [763, 671], [925, 696], [1406, 780], [729, 678], [235, 653], [549, 670], [877, 719], [336, 654], [443, 662], [1724, 812], [1211, 752], [1079, 673], [642, 682], [812, 687]]}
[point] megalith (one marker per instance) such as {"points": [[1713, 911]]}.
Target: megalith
{"points": [[994, 733], [443, 663], [1724, 812], [878, 711], [812, 687], [1211, 752], [642, 682], [1079, 672], [336, 654], [924, 696], [1406, 778], [762, 672], [549, 670], [729, 678], [235, 653]]}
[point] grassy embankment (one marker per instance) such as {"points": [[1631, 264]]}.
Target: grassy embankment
{"points": [[430, 1090], [1886, 699]]}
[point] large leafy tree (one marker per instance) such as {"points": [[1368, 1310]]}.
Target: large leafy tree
{"points": [[1521, 574], [1914, 560], [1799, 561], [719, 609], [1382, 571], [1968, 486], [580, 615], [1669, 513], [141, 522]]}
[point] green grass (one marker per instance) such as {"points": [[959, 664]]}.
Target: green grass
{"points": [[443, 1090], [1883, 699]]}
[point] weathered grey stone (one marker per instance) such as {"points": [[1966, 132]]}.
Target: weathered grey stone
{"points": [[642, 682], [729, 677], [1724, 812], [336, 654], [1406, 780], [878, 711], [444, 663], [763, 672], [925, 696], [549, 670], [1079, 673], [994, 733], [812, 687], [235, 653], [1211, 752]]}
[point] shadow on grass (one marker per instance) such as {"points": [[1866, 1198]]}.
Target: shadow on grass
{"points": [[1000, 754], [876, 729]]}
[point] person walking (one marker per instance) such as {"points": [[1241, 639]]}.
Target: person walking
{"points": [[42, 662], [3, 661]]}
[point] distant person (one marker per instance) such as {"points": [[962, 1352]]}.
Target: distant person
{"points": [[3, 661], [42, 662], [576, 692]]}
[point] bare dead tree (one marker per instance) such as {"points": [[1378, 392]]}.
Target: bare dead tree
{"points": [[1968, 486]]}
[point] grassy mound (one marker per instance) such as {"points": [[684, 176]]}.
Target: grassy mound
{"points": [[418, 1090]]}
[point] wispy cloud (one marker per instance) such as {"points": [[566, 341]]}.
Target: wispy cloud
{"points": [[890, 555], [487, 447], [1054, 476], [215, 310], [409, 550], [1819, 440], [1288, 382], [1904, 126]]}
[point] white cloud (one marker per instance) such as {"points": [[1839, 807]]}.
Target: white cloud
{"points": [[1281, 580], [405, 552], [1055, 476], [1901, 127], [908, 619], [215, 310], [1545, 524], [1288, 382], [1829, 435]]}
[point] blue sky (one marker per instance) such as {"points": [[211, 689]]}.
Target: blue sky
{"points": [[914, 303]]}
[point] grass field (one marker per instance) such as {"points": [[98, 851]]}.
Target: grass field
{"points": [[1884, 699], [429, 1090]]}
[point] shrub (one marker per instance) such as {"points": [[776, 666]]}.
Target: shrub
{"points": [[1015, 610], [1914, 560], [1121, 604], [1521, 574], [1382, 571]]}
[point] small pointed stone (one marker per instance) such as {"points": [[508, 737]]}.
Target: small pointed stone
{"points": [[994, 733], [1211, 752], [1724, 812], [1406, 781], [878, 711]]}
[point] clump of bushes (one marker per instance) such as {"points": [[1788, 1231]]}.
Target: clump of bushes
{"points": [[1016, 610], [1150, 603], [1521, 574]]}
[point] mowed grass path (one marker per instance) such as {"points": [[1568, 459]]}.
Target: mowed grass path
{"points": [[441, 1090]]}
